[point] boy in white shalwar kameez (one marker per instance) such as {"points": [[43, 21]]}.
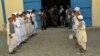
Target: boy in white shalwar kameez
{"points": [[75, 20], [18, 30], [35, 21], [26, 25], [14, 20], [75, 24], [11, 36], [82, 36], [32, 25], [22, 26], [28, 15]]}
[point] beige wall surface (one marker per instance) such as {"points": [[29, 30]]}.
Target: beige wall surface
{"points": [[96, 13], [12, 6]]}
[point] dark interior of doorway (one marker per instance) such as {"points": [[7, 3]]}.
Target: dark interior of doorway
{"points": [[50, 3]]}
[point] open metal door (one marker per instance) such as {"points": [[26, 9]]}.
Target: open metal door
{"points": [[33, 4], [86, 9]]}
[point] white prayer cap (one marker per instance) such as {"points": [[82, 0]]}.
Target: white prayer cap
{"points": [[77, 9], [20, 13], [29, 10], [15, 13], [80, 17]]}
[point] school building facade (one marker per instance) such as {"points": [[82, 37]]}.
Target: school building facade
{"points": [[90, 9]]}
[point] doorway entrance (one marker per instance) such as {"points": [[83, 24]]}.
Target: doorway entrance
{"points": [[85, 5], [51, 3]]}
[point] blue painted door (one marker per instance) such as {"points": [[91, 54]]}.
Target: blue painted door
{"points": [[86, 9], [33, 4]]}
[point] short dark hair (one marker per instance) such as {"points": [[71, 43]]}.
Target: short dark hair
{"points": [[33, 10], [9, 18]]}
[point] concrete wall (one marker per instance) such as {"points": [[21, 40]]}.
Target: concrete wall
{"points": [[12, 6], [1, 16], [96, 13], [17, 5]]}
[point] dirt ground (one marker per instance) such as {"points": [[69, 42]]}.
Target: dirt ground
{"points": [[53, 42]]}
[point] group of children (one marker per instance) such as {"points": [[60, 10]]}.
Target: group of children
{"points": [[79, 30], [21, 26]]}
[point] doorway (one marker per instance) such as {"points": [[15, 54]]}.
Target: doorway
{"points": [[50, 3]]}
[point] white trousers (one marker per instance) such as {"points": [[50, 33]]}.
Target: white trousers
{"points": [[32, 29], [82, 44], [18, 38], [27, 30], [11, 42], [82, 38]]}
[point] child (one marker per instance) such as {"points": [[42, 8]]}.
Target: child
{"points": [[75, 24], [81, 36], [11, 36]]}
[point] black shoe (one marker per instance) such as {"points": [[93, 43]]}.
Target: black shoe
{"points": [[81, 50], [84, 51], [23, 42], [14, 52], [33, 34]]}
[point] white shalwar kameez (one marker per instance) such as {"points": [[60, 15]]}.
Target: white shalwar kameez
{"points": [[35, 22], [11, 41], [18, 31], [26, 28], [32, 26], [75, 25], [23, 28], [82, 36], [28, 25]]}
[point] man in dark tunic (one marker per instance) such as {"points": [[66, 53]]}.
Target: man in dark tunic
{"points": [[43, 20], [55, 16]]}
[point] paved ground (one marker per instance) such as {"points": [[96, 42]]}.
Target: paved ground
{"points": [[53, 42]]}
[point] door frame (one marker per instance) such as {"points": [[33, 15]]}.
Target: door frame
{"points": [[4, 12]]}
